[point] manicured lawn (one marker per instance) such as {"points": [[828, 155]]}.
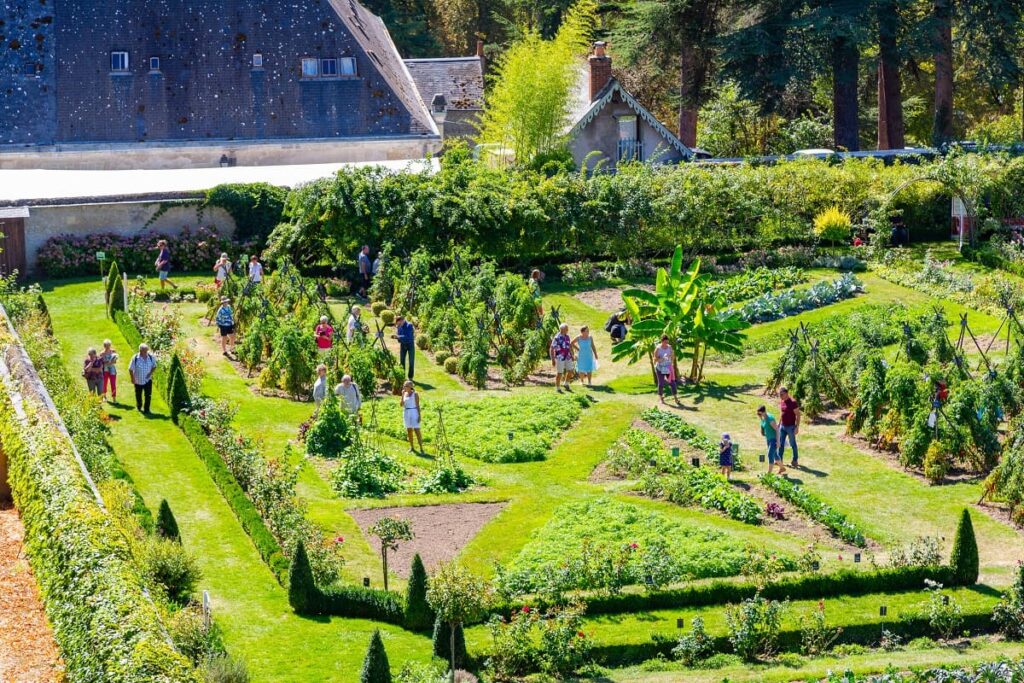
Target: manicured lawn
{"points": [[250, 606]]}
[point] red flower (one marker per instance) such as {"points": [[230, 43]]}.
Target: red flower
{"points": [[634, 545], [339, 540], [581, 634], [525, 609], [840, 558]]}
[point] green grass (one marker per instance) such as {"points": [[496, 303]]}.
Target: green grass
{"points": [[890, 505], [248, 603]]}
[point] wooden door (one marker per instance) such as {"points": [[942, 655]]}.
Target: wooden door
{"points": [[12, 246]]}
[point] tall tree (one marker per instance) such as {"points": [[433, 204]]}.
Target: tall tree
{"points": [[942, 45], [677, 34], [891, 129]]}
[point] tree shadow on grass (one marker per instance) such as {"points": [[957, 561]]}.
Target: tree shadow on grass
{"points": [[719, 392]]}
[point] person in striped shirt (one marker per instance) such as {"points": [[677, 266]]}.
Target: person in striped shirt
{"points": [[226, 325]]}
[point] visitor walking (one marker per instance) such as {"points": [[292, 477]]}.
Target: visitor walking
{"points": [[790, 426], [320, 385], [365, 269], [92, 371], [109, 358], [665, 367], [163, 264], [410, 403], [348, 392], [405, 333], [226, 324], [255, 270], [586, 355], [770, 431], [221, 270], [562, 357], [538, 300], [324, 335], [725, 456], [354, 326], [140, 369]]}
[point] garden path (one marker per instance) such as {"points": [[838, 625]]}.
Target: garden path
{"points": [[248, 603]]}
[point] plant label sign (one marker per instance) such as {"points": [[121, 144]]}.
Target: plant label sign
{"points": [[675, 451], [101, 256], [883, 611], [695, 462]]}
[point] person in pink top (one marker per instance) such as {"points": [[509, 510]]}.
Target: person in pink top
{"points": [[324, 335]]}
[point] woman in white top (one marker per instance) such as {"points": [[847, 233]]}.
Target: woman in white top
{"points": [[221, 269], [410, 403]]}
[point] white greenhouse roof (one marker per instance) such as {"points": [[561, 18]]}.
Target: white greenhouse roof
{"points": [[40, 185]]}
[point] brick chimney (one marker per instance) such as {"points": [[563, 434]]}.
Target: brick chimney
{"points": [[600, 68]]}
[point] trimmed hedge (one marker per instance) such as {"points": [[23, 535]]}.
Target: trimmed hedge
{"points": [[978, 620], [239, 503], [177, 388], [804, 587], [418, 614], [306, 597], [106, 627]]}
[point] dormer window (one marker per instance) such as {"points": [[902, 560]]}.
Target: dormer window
{"points": [[154, 63], [310, 67], [257, 61], [347, 66], [328, 67], [119, 62]]}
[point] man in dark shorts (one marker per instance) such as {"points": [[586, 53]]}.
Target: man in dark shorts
{"points": [[789, 424], [226, 325]]}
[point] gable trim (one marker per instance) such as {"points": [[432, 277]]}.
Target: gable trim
{"points": [[605, 96]]}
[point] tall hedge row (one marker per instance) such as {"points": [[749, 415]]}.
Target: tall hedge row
{"points": [[639, 210], [106, 628]]}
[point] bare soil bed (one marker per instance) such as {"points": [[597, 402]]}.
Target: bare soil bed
{"points": [[28, 653], [608, 299], [440, 531]]}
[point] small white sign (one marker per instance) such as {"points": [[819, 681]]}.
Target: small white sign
{"points": [[101, 256]]}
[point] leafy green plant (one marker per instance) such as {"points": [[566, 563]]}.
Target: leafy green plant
{"points": [[833, 225], [418, 614], [367, 473], [376, 668], [815, 508], [293, 359], [773, 306], [390, 531], [754, 626], [171, 568], [945, 613], [816, 636], [457, 597], [695, 645], [1009, 613], [332, 432]]}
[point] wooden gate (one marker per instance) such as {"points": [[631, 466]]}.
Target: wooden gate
{"points": [[12, 245]]}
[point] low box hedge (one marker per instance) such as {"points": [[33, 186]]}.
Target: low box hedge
{"points": [[803, 587], [977, 620], [364, 603], [106, 627], [247, 514]]}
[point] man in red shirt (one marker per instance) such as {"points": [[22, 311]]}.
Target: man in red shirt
{"points": [[789, 424]]}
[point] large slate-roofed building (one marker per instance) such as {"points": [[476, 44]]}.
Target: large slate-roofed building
{"points": [[176, 83]]}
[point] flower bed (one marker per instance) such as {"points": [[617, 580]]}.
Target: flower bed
{"points": [[773, 306], [816, 509], [641, 454], [517, 429], [75, 255]]}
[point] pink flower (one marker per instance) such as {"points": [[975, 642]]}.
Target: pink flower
{"points": [[339, 540], [634, 545], [525, 609], [840, 558]]}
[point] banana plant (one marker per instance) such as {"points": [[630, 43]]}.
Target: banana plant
{"points": [[681, 308]]}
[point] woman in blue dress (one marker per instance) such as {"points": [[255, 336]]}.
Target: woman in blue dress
{"points": [[586, 355]]}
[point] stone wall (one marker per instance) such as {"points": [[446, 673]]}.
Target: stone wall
{"points": [[154, 155], [124, 218]]}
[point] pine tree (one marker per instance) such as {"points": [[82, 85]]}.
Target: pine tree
{"points": [[964, 558], [303, 595], [116, 297], [166, 525], [442, 640], [418, 615], [177, 388], [376, 668]]}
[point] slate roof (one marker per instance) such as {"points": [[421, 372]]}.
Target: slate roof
{"points": [[459, 79], [371, 33], [604, 97]]}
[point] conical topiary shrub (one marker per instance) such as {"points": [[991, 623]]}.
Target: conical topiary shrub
{"points": [[964, 558], [177, 388], [376, 668], [418, 615], [113, 273], [166, 525], [303, 595], [442, 640], [116, 297]]}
